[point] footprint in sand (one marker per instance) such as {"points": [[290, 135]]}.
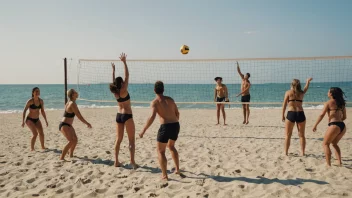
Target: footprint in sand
{"points": [[3, 162], [309, 170], [23, 170], [152, 195], [31, 180], [2, 155], [51, 186], [200, 182], [238, 171]]}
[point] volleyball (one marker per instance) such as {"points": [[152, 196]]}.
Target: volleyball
{"points": [[184, 49]]}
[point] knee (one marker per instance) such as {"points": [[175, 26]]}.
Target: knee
{"points": [[35, 135], [301, 135], [326, 144], [118, 141], [40, 133], [161, 151], [334, 144], [172, 148], [288, 135], [131, 145]]}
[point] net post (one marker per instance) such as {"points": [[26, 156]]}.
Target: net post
{"points": [[65, 73]]}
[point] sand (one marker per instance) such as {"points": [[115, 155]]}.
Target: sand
{"points": [[218, 161]]}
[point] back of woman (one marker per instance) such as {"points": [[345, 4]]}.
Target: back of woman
{"points": [[295, 100]]}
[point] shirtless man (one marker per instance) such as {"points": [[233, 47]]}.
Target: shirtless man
{"points": [[220, 95], [246, 97], [168, 113]]}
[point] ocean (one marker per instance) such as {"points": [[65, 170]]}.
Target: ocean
{"points": [[14, 97]]}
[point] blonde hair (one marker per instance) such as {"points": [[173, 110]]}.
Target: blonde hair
{"points": [[70, 93], [296, 86]]}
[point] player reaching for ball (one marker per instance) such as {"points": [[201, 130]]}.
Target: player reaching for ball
{"points": [[246, 96]]}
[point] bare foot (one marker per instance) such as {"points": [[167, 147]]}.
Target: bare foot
{"points": [[225, 124], [217, 124], [247, 122], [164, 178], [118, 164], [339, 164], [32, 150], [244, 122], [134, 166], [44, 148]]}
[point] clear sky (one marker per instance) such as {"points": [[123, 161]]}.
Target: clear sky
{"points": [[35, 36]]}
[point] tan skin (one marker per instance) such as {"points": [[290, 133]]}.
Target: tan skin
{"points": [[221, 92], [36, 128], [333, 134], [294, 106], [245, 86], [68, 131], [168, 112], [124, 108]]}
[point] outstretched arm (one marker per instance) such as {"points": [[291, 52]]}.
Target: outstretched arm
{"points": [[24, 112], [307, 85], [239, 71], [79, 115], [284, 104], [113, 72], [321, 116], [150, 120], [127, 74], [43, 112]]}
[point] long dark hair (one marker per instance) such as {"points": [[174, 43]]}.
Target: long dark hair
{"points": [[116, 86], [338, 94], [33, 90]]}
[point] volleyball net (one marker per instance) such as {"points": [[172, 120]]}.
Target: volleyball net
{"points": [[192, 81]]}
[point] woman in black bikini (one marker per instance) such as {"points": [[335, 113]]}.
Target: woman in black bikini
{"points": [[34, 124], [336, 110], [124, 116], [71, 109], [294, 100]]}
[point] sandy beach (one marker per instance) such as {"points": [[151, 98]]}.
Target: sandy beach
{"points": [[218, 161]]}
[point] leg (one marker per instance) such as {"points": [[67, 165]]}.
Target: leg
{"points": [[223, 113], [331, 133], [301, 133], [34, 131], [130, 128], [337, 148], [218, 113], [120, 127], [247, 113], [67, 131], [244, 113], [161, 147], [288, 130], [174, 154], [39, 128], [73, 142]]}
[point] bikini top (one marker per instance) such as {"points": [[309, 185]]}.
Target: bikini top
{"points": [[33, 106], [69, 115], [294, 100], [124, 99]]}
